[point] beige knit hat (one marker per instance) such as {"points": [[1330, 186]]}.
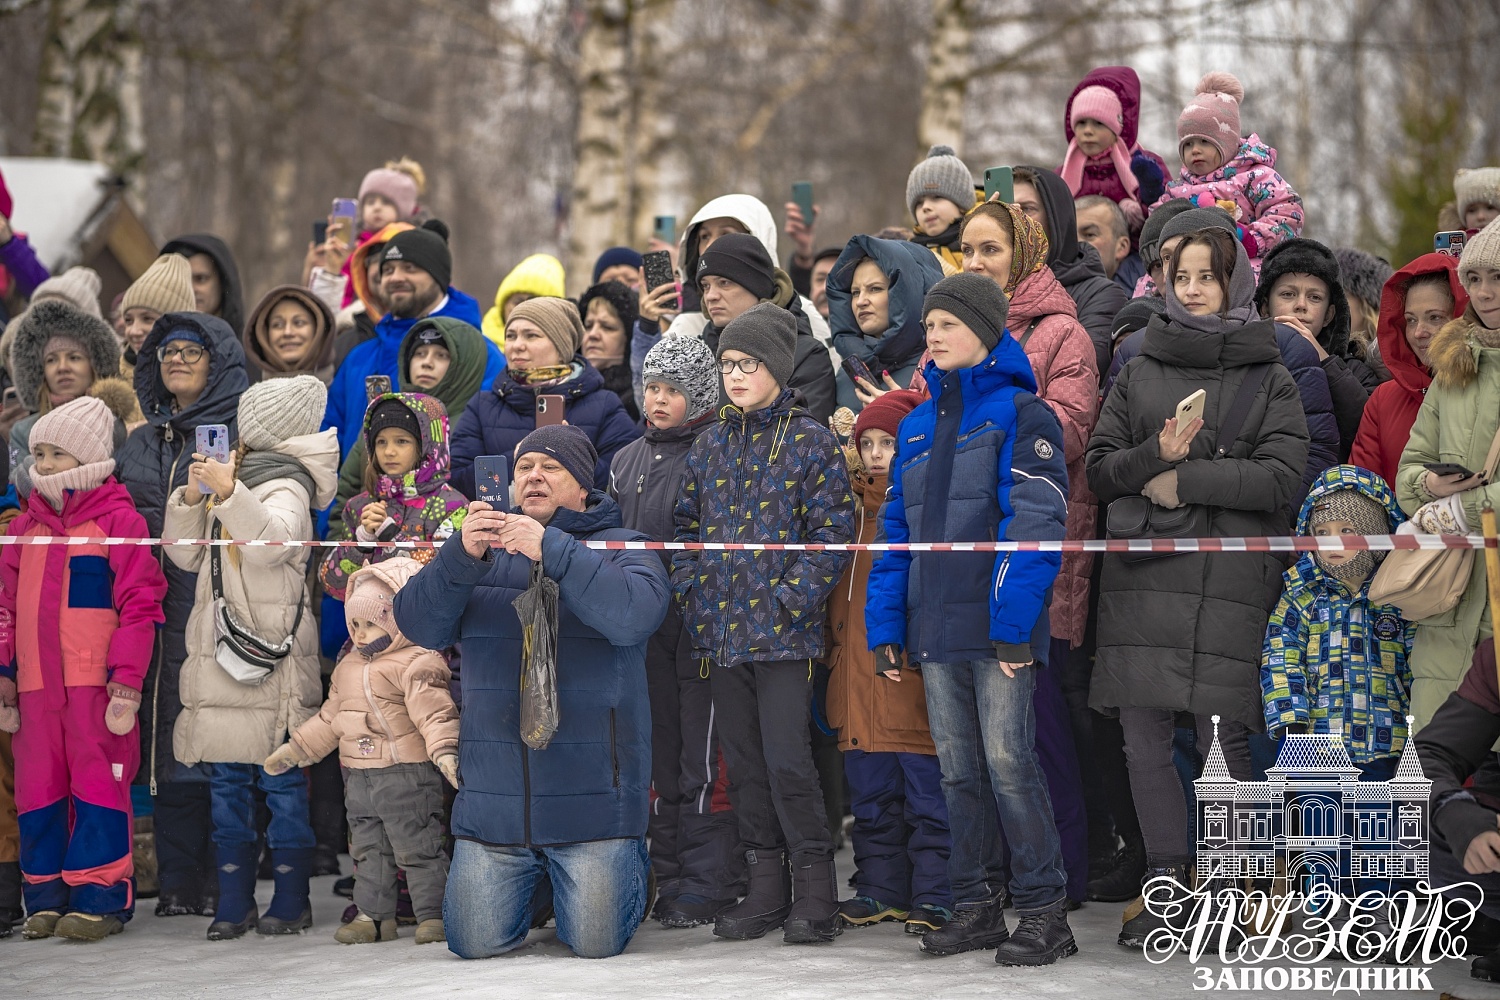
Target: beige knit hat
{"points": [[77, 286], [278, 409], [165, 287], [1481, 251], [558, 319]]}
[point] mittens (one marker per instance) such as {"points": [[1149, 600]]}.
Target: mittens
{"points": [[448, 764], [10, 715], [1161, 489], [283, 759], [1149, 176], [124, 703]]}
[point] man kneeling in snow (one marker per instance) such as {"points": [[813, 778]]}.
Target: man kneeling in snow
{"points": [[574, 812]]}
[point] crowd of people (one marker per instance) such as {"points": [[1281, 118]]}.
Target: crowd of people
{"points": [[1114, 348]]}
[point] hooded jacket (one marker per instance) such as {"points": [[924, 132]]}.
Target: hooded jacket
{"points": [[910, 270], [1099, 173], [392, 708], [771, 475], [645, 478], [1184, 632], [1333, 660], [1077, 265], [382, 356], [1062, 361], [812, 369], [255, 339], [871, 713], [1266, 208], [496, 421], [540, 275], [419, 506], [1457, 422], [593, 780], [35, 327], [980, 460], [1392, 407], [1350, 378], [232, 299], [222, 720], [153, 463], [79, 615], [468, 353]]}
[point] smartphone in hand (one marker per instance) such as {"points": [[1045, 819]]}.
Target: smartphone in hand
{"points": [[802, 197], [664, 228], [1450, 242], [492, 481], [345, 212], [1000, 180], [657, 266], [551, 411], [1190, 409], [857, 369], [1447, 469], [212, 442]]}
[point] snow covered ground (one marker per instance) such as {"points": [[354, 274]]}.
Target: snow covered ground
{"points": [[167, 959]]}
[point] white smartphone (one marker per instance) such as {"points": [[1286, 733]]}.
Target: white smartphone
{"points": [[1190, 409]]}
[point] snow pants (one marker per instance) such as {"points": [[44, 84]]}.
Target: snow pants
{"points": [[396, 819], [73, 798], [901, 841]]}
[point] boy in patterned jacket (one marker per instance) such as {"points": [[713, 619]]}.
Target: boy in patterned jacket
{"points": [[766, 472], [1334, 661]]}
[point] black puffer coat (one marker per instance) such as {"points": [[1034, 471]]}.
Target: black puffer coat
{"points": [[153, 462], [1184, 632]]}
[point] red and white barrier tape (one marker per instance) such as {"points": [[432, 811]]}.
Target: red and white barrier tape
{"points": [[1260, 544]]}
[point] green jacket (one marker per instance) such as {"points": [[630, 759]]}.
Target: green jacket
{"points": [[1457, 423]]}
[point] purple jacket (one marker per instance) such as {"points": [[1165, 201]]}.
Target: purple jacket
{"points": [[26, 272]]}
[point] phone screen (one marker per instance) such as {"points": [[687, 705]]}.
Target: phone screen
{"points": [[492, 480], [320, 231], [212, 441], [551, 410]]}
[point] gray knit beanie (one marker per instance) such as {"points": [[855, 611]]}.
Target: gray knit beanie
{"points": [[942, 173], [687, 364], [768, 333], [1483, 250], [278, 409], [976, 300], [566, 443], [1195, 220], [1151, 230]]}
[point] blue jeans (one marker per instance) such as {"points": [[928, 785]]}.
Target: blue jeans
{"points": [[598, 895], [232, 800], [985, 729]]}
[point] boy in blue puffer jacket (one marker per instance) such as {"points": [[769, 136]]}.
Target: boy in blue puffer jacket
{"points": [[767, 472], [981, 460]]}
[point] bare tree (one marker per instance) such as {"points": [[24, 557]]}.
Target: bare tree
{"points": [[945, 82]]}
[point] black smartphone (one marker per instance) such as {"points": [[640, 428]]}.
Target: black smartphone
{"points": [[999, 180], [802, 197], [857, 369], [320, 232], [376, 386], [657, 266], [664, 228], [492, 480], [1446, 469]]}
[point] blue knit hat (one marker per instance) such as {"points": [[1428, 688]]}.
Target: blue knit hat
{"points": [[613, 257]]}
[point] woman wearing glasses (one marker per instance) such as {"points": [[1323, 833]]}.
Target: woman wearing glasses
{"points": [[190, 371]]}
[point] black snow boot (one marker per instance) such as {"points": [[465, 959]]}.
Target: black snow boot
{"points": [[767, 902], [11, 910], [1486, 967], [974, 926], [1123, 881], [814, 915], [1040, 939]]}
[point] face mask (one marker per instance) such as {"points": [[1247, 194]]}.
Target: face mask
{"points": [[1361, 566]]}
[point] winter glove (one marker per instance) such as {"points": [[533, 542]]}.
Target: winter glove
{"points": [[124, 702], [448, 764], [1149, 176], [1161, 489], [284, 758], [1013, 652], [10, 715], [887, 657]]}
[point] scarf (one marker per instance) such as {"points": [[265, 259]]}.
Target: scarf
{"points": [[947, 238], [259, 467], [1240, 295], [56, 487], [1075, 161], [545, 375], [373, 649], [1028, 251]]}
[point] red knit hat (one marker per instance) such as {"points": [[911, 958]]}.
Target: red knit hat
{"points": [[886, 412]]}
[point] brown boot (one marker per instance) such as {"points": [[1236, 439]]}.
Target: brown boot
{"points": [[143, 857]]}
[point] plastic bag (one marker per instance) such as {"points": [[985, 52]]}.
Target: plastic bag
{"points": [[537, 609]]}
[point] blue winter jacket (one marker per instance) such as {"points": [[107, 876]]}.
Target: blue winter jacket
{"points": [[772, 475], [592, 781], [981, 460], [382, 356], [1312, 385], [495, 422]]}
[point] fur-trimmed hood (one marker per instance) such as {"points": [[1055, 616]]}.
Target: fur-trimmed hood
{"points": [[54, 317], [1454, 353]]}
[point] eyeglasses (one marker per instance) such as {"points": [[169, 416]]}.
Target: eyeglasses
{"points": [[189, 353], [746, 365]]}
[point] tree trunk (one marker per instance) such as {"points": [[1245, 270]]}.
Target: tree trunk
{"points": [[947, 78], [89, 93], [650, 129], [597, 210]]}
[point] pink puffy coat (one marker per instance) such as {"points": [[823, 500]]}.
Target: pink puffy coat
{"points": [[1266, 208], [1067, 378]]}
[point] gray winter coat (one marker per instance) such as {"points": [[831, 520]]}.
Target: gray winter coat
{"points": [[1184, 632]]}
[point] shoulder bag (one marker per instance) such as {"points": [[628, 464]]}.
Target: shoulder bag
{"points": [[245, 656]]}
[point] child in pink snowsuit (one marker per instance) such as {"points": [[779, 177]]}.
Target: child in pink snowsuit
{"points": [[1237, 174], [77, 624]]}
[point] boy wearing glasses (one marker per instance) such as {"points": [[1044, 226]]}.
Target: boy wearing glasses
{"points": [[767, 472]]}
